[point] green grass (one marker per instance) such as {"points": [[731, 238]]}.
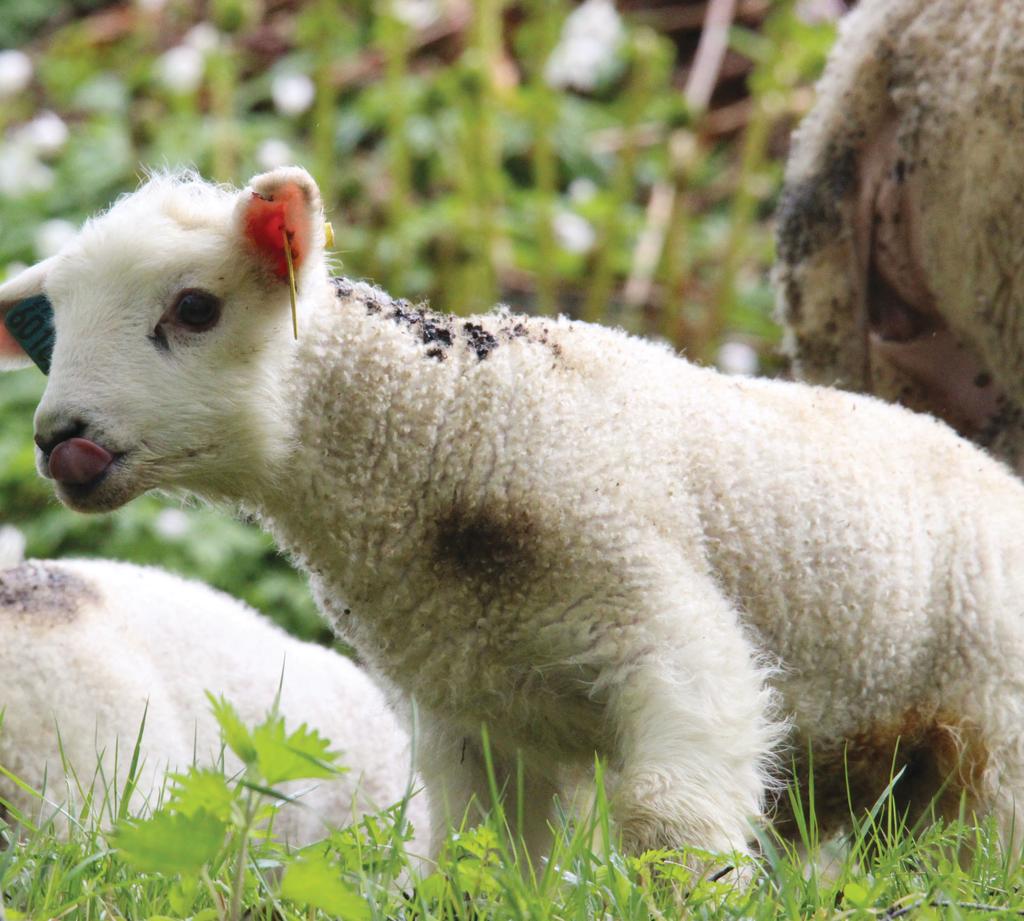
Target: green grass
{"points": [[199, 854]]}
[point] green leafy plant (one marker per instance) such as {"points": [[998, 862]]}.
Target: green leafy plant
{"points": [[210, 824]]}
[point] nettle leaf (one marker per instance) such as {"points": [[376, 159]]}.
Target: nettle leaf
{"points": [[202, 790], [857, 895], [171, 842], [303, 755], [182, 895], [236, 735], [315, 882]]}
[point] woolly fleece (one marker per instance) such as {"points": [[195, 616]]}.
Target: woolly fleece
{"points": [[899, 228], [569, 534], [91, 646]]}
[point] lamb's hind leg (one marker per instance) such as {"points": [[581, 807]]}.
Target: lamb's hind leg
{"points": [[454, 768], [694, 732], [998, 790]]}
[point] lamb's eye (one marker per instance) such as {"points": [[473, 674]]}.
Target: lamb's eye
{"points": [[196, 310]]}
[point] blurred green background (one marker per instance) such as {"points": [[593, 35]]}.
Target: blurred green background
{"points": [[616, 162]]}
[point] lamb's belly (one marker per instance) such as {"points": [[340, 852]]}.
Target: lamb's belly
{"points": [[521, 670], [527, 704], [843, 666], [852, 617]]}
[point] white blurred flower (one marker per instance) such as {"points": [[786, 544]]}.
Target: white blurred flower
{"points": [[12, 546], [418, 14], [738, 358], [15, 72], [590, 38], [574, 233], [171, 523], [203, 36], [52, 236], [273, 153], [814, 11], [151, 6], [105, 92], [180, 69], [21, 173], [292, 93], [46, 134], [581, 190]]}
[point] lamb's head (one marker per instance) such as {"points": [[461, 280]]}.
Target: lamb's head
{"points": [[173, 337]]}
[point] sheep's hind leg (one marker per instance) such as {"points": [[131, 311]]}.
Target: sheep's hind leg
{"points": [[455, 772]]}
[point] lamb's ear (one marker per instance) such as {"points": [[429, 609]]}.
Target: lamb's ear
{"points": [[24, 287], [285, 201]]}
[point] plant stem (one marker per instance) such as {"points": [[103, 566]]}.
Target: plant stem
{"points": [[544, 111], [741, 215], [324, 106], [214, 895], [393, 39], [610, 236], [223, 79], [482, 153], [243, 856]]}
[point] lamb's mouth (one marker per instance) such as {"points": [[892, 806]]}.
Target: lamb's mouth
{"points": [[109, 490]]}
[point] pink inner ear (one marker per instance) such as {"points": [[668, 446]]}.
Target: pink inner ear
{"points": [[9, 347], [266, 221]]}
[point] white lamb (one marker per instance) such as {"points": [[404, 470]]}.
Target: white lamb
{"points": [[900, 226], [558, 530], [89, 647]]}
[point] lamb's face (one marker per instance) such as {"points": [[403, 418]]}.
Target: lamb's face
{"points": [[172, 327]]}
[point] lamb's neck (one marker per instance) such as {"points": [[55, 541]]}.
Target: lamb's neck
{"points": [[367, 411]]}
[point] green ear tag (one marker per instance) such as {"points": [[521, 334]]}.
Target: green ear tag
{"points": [[30, 322]]}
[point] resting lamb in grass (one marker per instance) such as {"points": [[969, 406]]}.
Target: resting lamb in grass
{"points": [[85, 644], [566, 533], [900, 229]]}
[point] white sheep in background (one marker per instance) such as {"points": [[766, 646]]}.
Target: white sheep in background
{"points": [[88, 647], [553, 528], [899, 231]]}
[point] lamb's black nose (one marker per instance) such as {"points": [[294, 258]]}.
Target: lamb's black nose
{"points": [[47, 441]]}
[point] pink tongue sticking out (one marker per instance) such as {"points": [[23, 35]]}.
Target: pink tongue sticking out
{"points": [[77, 461]]}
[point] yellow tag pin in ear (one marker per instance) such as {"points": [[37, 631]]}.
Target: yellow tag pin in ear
{"points": [[291, 283], [328, 235]]}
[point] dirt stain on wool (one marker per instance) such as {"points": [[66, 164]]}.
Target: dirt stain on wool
{"points": [[480, 340], [485, 544], [809, 216], [941, 758], [439, 332], [46, 594], [433, 329]]}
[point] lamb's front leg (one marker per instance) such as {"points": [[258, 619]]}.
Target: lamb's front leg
{"points": [[454, 770], [694, 733]]}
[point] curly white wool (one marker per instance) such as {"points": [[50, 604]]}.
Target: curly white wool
{"points": [[561, 531], [899, 229], [91, 646]]}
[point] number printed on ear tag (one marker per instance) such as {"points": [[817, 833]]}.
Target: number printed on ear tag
{"points": [[30, 322]]}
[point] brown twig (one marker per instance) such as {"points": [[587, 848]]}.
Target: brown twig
{"points": [[707, 63], [688, 17], [714, 41], [903, 910], [650, 243]]}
